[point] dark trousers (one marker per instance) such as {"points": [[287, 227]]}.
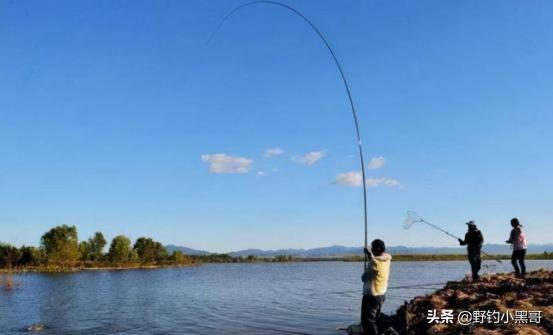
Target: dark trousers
{"points": [[370, 311], [518, 256], [475, 264]]}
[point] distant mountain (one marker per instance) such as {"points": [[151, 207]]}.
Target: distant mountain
{"points": [[187, 251], [269, 253], [340, 251], [489, 248]]}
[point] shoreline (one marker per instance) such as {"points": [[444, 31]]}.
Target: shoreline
{"points": [[17, 271], [396, 258]]}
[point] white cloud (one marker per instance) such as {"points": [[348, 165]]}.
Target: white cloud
{"points": [[223, 163], [384, 181], [310, 158], [263, 174], [273, 152], [350, 178], [377, 162], [355, 179]]}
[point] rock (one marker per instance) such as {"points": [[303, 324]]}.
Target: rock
{"points": [[35, 328], [501, 293], [522, 295], [543, 302], [510, 303]]}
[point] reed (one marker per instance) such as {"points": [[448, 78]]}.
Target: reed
{"points": [[8, 279]]}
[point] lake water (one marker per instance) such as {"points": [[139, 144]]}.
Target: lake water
{"points": [[281, 298]]}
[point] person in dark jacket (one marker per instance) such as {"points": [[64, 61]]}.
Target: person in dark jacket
{"points": [[473, 240]]}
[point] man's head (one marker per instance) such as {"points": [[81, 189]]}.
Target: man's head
{"points": [[378, 247], [515, 223], [471, 225]]}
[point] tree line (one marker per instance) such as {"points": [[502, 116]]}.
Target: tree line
{"points": [[60, 247]]}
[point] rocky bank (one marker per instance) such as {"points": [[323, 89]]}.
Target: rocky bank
{"points": [[501, 293]]}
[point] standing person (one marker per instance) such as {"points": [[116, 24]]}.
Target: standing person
{"points": [[473, 240], [517, 239], [375, 284]]}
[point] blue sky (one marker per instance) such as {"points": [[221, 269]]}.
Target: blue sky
{"points": [[112, 115]]}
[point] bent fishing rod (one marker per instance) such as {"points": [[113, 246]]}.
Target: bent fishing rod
{"points": [[413, 217], [344, 80]]}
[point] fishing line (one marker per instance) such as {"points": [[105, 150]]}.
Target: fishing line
{"points": [[403, 287], [277, 330], [403, 297], [416, 286], [342, 75], [253, 326]]}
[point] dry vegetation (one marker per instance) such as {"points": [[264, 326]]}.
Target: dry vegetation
{"points": [[8, 280], [499, 292]]}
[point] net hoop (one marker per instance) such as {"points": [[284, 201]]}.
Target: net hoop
{"points": [[412, 218]]}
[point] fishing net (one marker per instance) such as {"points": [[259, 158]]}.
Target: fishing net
{"points": [[412, 218]]}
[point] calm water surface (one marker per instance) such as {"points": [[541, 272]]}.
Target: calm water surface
{"points": [[285, 298]]}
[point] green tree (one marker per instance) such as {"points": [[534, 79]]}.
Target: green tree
{"points": [[120, 249], [149, 251], [9, 255], [179, 258], [31, 256], [86, 251], [61, 244], [283, 258], [97, 244], [133, 256]]}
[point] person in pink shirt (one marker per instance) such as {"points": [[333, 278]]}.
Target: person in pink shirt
{"points": [[518, 241]]}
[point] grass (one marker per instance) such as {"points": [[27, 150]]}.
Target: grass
{"points": [[8, 280], [6, 273]]}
